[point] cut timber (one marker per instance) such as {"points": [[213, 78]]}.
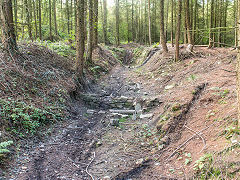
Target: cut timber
{"points": [[122, 111]]}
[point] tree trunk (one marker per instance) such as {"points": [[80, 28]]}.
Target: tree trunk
{"points": [[117, 23], [35, 19], [166, 24], [162, 34], [172, 9], [95, 17], [128, 34], [40, 19], [55, 17], [188, 23], [15, 18], [28, 19], [90, 34], [133, 32], [236, 23], [238, 66], [80, 39], [210, 45], [149, 24], [105, 22], [8, 32], [178, 29], [68, 17], [50, 21]]}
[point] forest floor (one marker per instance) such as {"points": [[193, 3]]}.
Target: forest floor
{"points": [[148, 119]]}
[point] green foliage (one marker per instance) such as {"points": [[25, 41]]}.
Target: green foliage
{"points": [[220, 92], [25, 120], [192, 77], [230, 131], [208, 167], [60, 47], [3, 147], [155, 45]]}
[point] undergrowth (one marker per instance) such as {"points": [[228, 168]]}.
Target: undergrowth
{"points": [[4, 148], [24, 120]]}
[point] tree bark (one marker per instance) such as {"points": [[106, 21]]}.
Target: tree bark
{"points": [[90, 35], [55, 17], [35, 18], [162, 34], [188, 23], [80, 39], [105, 22], [15, 18], [128, 34], [40, 19], [50, 21], [178, 29], [28, 19], [117, 23], [95, 22], [238, 66], [8, 32], [149, 24], [210, 44], [172, 9]]}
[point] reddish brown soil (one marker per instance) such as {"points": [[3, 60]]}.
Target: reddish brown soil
{"points": [[88, 146]]}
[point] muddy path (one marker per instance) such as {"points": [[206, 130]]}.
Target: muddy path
{"points": [[77, 149], [131, 126]]}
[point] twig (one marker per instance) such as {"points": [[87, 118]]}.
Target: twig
{"points": [[228, 71], [204, 141], [189, 139], [94, 155]]}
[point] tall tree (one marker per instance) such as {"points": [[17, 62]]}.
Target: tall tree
{"points": [[50, 21], [40, 18], [238, 66], [117, 23], [133, 29], [188, 23], [178, 29], [149, 23], [8, 32], [162, 34], [172, 9], [80, 39], [95, 16], [128, 31], [211, 36], [28, 13], [105, 22], [55, 17], [35, 18], [15, 17], [90, 34]]}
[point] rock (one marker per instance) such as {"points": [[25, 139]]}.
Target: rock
{"points": [[101, 112], [189, 48], [170, 86], [106, 178], [114, 122], [122, 111], [24, 168], [90, 111], [165, 140], [139, 161], [142, 116], [99, 143], [138, 109], [134, 117]]}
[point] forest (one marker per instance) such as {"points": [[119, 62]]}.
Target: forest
{"points": [[119, 89]]}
